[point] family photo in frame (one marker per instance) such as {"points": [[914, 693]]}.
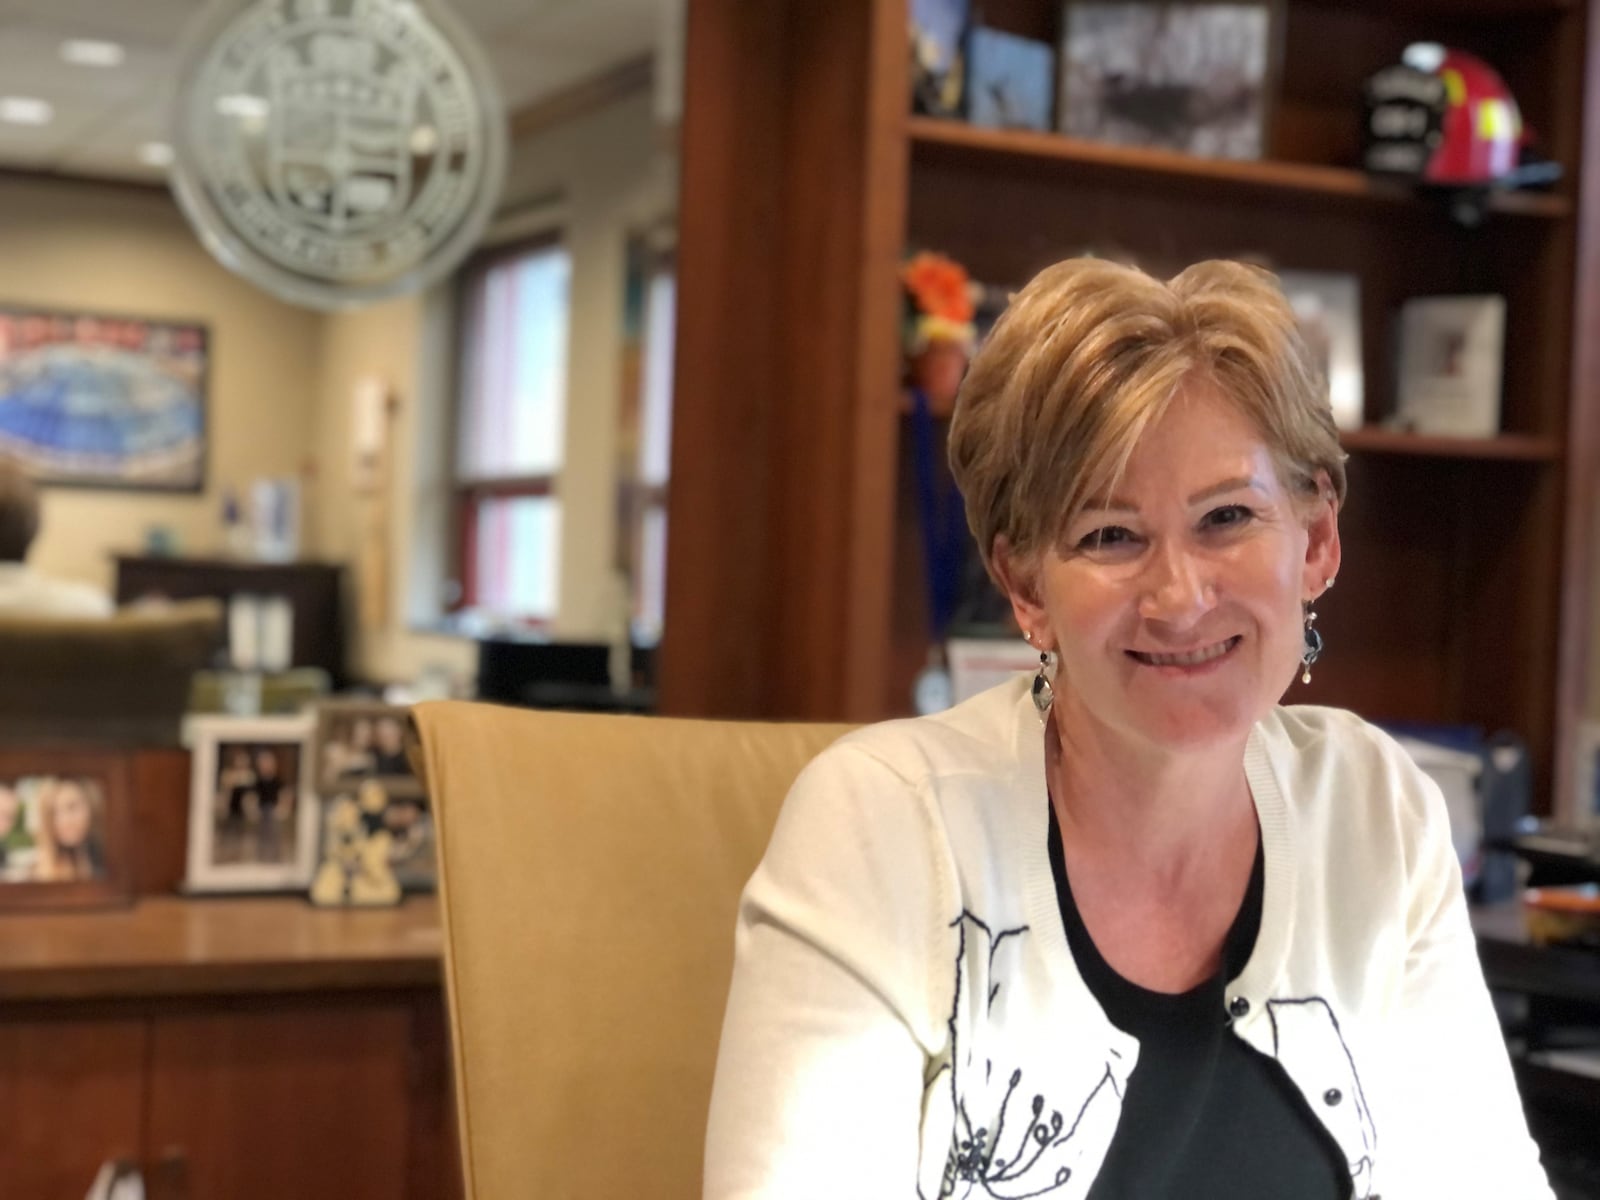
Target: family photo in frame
{"points": [[64, 828], [252, 814], [359, 740], [377, 831]]}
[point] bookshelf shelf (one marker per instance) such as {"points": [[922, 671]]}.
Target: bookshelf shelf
{"points": [[956, 143], [1515, 447]]}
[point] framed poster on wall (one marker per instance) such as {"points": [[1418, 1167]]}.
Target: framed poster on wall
{"points": [[104, 401]]}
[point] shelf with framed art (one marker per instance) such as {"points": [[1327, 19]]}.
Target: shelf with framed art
{"points": [[1465, 595], [935, 140]]}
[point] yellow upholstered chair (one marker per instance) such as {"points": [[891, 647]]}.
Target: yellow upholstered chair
{"points": [[590, 870]]}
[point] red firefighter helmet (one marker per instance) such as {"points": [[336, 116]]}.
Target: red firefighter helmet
{"points": [[1481, 128]]}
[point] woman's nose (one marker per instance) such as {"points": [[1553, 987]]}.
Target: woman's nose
{"points": [[1177, 590]]}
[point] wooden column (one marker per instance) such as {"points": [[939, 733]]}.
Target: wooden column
{"points": [[791, 217], [1583, 430]]}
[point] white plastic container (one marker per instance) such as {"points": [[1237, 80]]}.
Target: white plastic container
{"points": [[1456, 772]]}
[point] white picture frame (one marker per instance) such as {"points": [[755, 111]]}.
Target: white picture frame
{"points": [[1327, 306], [1452, 358], [243, 836]]}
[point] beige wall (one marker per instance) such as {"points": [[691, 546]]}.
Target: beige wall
{"points": [[123, 250], [283, 378], [404, 344], [597, 178]]}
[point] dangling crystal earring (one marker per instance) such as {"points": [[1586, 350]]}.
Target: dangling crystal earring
{"points": [[1313, 644], [1043, 693]]}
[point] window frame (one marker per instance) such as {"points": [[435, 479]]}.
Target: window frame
{"points": [[644, 498], [467, 493]]}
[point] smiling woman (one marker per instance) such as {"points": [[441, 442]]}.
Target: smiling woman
{"points": [[1139, 930], [1178, 604]]}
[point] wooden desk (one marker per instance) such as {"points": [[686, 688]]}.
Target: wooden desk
{"points": [[233, 1047], [217, 947], [1555, 986], [1512, 963]]}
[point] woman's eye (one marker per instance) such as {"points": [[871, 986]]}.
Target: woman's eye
{"points": [[1228, 516], [1107, 538]]}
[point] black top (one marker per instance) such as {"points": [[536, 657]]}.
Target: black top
{"points": [[1205, 1114]]}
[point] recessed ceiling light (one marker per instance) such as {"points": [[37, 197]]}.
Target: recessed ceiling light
{"points": [[25, 110], [92, 52], [244, 105], [155, 154]]}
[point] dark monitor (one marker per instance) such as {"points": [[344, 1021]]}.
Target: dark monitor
{"points": [[575, 676]]}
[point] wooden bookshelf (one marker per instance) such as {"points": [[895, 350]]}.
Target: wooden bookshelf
{"points": [[795, 574]]}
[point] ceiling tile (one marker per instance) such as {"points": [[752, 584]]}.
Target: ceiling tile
{"points": [[154, 22], [494, 17], [112, 147], [31, 65], [536, 48]]}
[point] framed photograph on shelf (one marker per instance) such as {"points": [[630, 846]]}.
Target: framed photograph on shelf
{"points": [[1451, 357], [1194, 77], [1010, 81], [64, 829], [104, 401], [252, 811], [357, 740], [1327, 306], [376, 836], [938, 56]]}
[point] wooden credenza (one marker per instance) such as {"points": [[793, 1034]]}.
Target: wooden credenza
{"points": [[314, 592], [232, 1049]]}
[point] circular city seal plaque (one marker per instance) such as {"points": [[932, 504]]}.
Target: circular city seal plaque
{"points": [[336, 152]]}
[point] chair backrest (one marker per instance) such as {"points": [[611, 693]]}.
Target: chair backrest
{"points": [[590, 870], [118, 679]]}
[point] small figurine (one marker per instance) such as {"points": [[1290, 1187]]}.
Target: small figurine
{"points": [[939, 334]]}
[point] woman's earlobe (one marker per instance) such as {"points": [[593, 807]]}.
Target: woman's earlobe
{"points": [[1018, 582]]}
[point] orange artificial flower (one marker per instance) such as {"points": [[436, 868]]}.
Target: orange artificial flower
{"points": [[939, 287]]}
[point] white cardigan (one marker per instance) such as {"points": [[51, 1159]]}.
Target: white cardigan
{"points": [[906, 1019]]}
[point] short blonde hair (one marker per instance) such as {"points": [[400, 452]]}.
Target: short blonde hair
{"points": [[1090, 353]]}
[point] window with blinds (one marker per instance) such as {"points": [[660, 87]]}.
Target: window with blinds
{"points": [[655, 450], [511, 430]]}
